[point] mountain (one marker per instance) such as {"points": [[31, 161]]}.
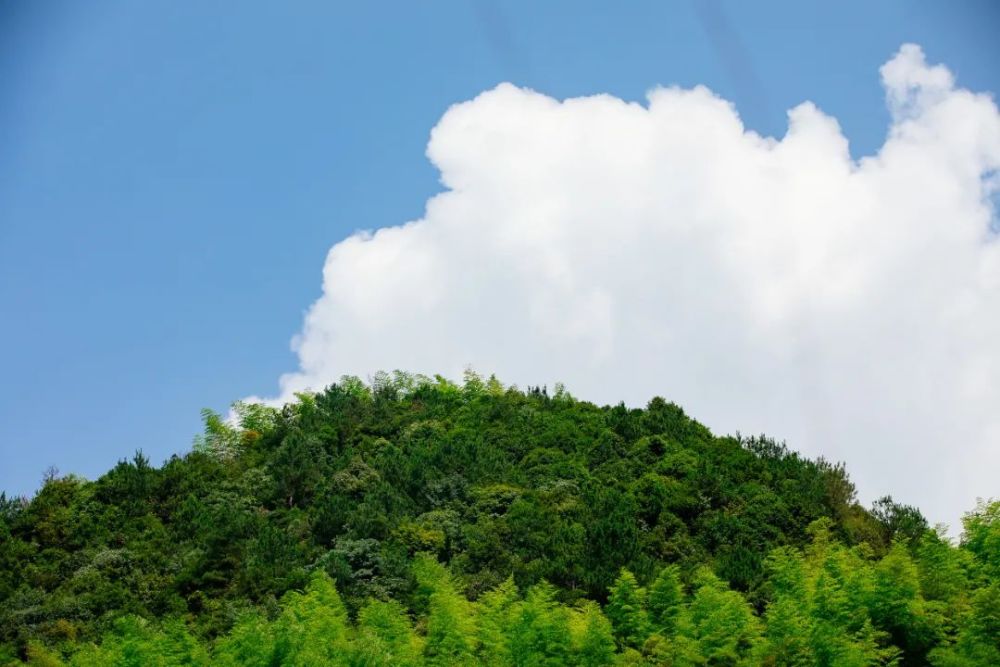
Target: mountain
{"points": [[417, 521]]}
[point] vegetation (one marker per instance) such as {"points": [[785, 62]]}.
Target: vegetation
{"points": [[416, 521]]}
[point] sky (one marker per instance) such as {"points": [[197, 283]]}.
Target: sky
{"points": [[632, 199]]}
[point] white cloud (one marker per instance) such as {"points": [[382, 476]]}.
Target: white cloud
{"points": [[849, 307]]}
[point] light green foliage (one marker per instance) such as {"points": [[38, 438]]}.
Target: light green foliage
{"points": [[219, 439], [816, 615], [626, 611], [982, 536], [385, 636], [539, 631], [593, 637], [822, 604], [790, 627], [978, 641], [897, 606], [40, 656], [496, 611], [665, 599], [134, 643], [251, 642], [720, 621], [943, 570], [450, 621], [312, 628]]}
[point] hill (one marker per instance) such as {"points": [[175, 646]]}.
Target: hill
{"points": [[417, 521]]}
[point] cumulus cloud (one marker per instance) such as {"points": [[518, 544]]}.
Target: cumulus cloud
{"points": [[849, 307]]}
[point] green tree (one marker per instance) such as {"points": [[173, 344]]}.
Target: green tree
{"points": [[450, 622], [978, 641], [312, 628], [721, 622], [385, 636], [897, 608], [495, 615], [539, 631], [626, 610], [666, 598], [594, 639], [981, 536]]}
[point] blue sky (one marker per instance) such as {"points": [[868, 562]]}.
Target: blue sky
{"points": [[172, 174]]}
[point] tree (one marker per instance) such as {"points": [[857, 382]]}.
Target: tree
{"points": [[450, 622], [297, 468], [721, 622], [595, 641], [897, 608], [626, 611], [385, 636], [982, 536], [666, 598], [495, 616], [539, 630], [978, 641], [312, 628]]}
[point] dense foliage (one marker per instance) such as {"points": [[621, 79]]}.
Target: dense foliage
{"points": [[416, 521]]}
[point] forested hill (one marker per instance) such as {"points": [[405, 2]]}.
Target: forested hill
{"points": [[416, 521]]}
